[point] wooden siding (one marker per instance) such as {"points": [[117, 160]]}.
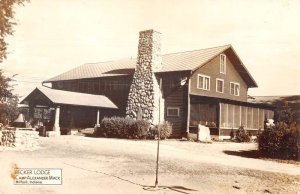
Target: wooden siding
{"points": [[115, 88], [175, 95], [212, 69]]}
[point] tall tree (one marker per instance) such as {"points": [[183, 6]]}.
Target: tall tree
{"points": [[5, 88], [8, 101], [7, 22]]}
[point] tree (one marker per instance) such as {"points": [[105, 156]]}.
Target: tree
{"points": [[7, 22], [287, 109], [8, 101]]}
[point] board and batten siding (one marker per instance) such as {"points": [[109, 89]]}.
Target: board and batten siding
{"points": [[212, 69]]}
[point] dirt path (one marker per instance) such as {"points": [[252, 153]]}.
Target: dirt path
{"points": [[95, 165]]}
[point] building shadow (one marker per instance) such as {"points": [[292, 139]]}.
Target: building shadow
{"points": [[243, 153]]}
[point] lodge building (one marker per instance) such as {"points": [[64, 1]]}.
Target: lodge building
{"points": [[205, 86]]}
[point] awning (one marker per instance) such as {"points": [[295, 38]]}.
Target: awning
{"points": [[44, 95]]}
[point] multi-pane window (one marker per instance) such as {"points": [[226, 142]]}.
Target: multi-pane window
{"points": [[220, 85], [173, 111], [223, 63], [203, 82], [234, 88]]}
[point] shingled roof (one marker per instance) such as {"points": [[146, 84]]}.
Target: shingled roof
{"points": [[181, 61]]}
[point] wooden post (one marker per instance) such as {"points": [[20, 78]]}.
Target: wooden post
{"points": [[56, 127], [98, 116]]}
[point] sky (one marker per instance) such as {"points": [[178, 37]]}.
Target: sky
{"points": [[53, 36]]}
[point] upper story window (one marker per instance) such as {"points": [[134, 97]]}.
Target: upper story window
{"points": [[223, 63], [219, 85], [203, 82], [234, 88]]}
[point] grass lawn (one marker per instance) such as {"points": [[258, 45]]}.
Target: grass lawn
{"points": [[100, 165]]}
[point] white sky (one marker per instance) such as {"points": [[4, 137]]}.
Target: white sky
{"points": [[54, 36]]}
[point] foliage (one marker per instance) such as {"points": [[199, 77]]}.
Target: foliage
{"points": [[241, 135], [119, 127], [281, 141], [287, 109], [211, 124], [8, 101], [231, 134], [7, 22], [165, 129], [140, 129], [5, 89]]}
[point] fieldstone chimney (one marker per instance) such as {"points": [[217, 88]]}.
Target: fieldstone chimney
{"points": [[144, 99]]}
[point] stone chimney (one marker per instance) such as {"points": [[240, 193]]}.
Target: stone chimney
{"points": [[144, 99]]}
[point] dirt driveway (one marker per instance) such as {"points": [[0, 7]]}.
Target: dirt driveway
{"points": [[99, 165]]}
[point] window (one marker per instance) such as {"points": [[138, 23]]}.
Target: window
{"points": [[223, 63], [220, 85], [173, 111], [234, 88], [203, 82]]}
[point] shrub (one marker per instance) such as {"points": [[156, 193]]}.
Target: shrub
{"points": [[165, 129], [241, 135], [119, 127], [231, 134], [281, 141], [140, 129], [152, 133]]}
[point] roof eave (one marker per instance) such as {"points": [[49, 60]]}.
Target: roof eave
{"points": [[253, 84]]}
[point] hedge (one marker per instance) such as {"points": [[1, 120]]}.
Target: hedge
{"points": [[281, 141], [128, 128]]}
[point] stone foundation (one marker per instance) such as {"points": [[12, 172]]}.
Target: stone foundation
{"points": [[26, 139], [144, 95]]}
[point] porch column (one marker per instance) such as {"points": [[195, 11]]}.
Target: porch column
{"points": [[56, 127], [98, 116]]}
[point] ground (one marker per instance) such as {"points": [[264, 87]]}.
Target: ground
{"points": [[100, 165]]}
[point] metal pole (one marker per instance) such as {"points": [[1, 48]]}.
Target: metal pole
{"points": [[157, 156]]}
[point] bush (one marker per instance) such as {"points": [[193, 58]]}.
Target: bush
{"points": [[241, 135], [119, 127], [281, 141], [165, 129], [140, 129], [128, 128]]}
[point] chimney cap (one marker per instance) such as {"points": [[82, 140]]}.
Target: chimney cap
{"points": [[149, 31]]}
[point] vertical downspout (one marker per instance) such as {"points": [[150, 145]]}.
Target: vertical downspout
{"points": [[219, 125], [188, 108]]}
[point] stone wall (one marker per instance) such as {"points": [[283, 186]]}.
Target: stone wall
{"points": [[26, 139], [144, 95]]}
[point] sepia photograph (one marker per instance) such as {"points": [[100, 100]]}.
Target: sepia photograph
{"points": [[149, 96]]}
